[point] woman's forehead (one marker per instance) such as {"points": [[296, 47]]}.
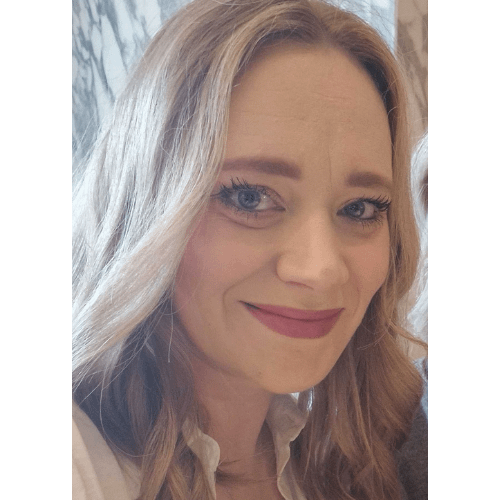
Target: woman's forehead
{"points": [[317, 73], [309, 106]]}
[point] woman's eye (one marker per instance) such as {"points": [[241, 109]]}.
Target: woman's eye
{"points": [[249, 199], [243, 197], [360, 210], [366, 210]]}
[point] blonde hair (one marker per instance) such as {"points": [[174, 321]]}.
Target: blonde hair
{"points": [[147, 180], [419, 183]]}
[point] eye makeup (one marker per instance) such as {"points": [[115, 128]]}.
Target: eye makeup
{"points": [[246, 199], [366, 210]]}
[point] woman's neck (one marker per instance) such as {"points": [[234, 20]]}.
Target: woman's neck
{"points": [[237, 411]]}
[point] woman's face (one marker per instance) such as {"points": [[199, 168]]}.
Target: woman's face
{"points": [[297, 219]]}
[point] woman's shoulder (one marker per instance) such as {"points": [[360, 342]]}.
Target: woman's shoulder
{"points": [[97, 474]]}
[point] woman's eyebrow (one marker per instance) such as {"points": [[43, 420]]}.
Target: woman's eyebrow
{"points": [[368, 179], [265, 165], [288, 169]]}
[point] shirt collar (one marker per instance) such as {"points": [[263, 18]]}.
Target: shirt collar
{"points": [[285, 420]]}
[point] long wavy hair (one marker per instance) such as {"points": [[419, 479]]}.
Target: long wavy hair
{"points": [[419, 181], [136, 204]]}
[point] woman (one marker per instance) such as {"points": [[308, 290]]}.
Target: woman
{"points": [[244, 231]]}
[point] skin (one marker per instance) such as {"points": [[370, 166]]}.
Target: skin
{"points": [[318, 109]]}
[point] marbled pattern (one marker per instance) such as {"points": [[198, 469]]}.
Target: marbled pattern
{"points": [[108, 38], [412, 46], [110, 35]]}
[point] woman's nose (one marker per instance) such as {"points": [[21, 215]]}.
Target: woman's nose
{"points": [[312, 256]]}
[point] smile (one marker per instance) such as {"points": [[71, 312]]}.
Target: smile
{"points": [[295, 323]]}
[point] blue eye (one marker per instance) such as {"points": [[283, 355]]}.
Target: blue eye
{"points": [[258, 202], [366, 210], [249, 199], [245, 198], [356, 209]]}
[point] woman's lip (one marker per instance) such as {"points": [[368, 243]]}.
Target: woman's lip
{"points": [[290, 312], [307, 328]]}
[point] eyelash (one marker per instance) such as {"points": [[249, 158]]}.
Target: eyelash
{"points": [[380, 203], [226, 193]]}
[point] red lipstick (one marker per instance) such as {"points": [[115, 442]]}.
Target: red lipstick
{"points": [[296, 323]]}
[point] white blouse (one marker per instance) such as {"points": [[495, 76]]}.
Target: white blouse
{"points": [[100, 475]]}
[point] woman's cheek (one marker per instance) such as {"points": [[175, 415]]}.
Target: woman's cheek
{"points": [[371, 263], [220, 253]]}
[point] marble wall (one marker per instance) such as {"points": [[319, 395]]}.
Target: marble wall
{"points": [[412, 22], [110, 35]]}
